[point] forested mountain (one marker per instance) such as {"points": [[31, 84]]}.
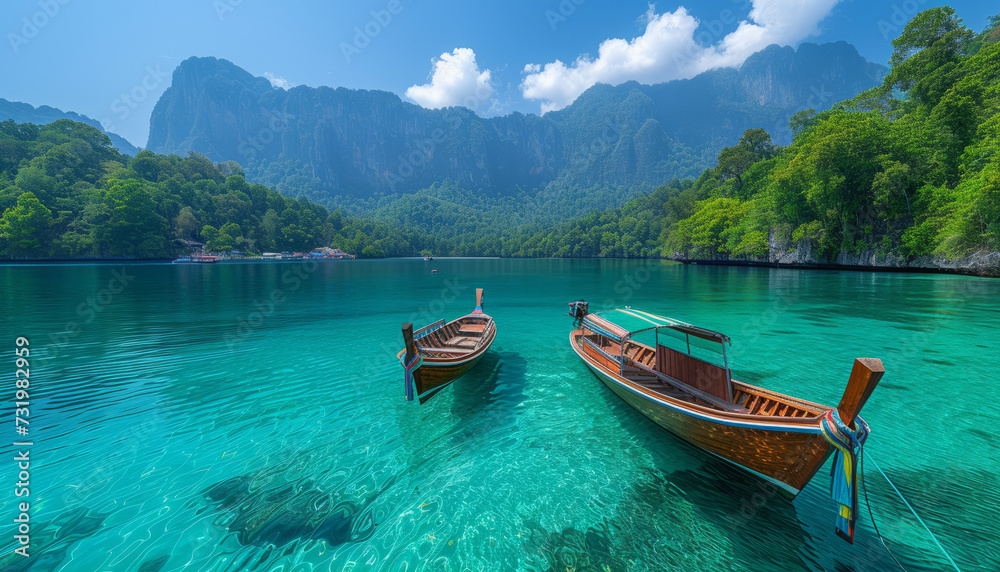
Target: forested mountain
{"points": [[904, 174], [65, 192], [25, 113], [324, 142]]}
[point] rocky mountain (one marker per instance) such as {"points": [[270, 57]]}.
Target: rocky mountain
{"points": [[325, 141], [43, 115]]}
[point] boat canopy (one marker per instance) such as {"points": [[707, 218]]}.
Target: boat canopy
{"points": [[622, 323]]}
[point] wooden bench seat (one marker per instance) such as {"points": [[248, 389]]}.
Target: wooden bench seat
{"points": [[472, 329], [462, 342], [443, 350], [693, 392]]}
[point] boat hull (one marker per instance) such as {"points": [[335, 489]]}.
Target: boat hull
{"points": [[435, 377], [786, 453], [435, 374]]}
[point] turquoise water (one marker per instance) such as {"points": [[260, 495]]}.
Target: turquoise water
{"points": [[251, 417]]}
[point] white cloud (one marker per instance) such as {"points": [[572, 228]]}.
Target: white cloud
{"points": [[668, 50], [455, 80], [277, 80]]}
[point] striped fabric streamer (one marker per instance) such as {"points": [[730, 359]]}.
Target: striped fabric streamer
{"points": [[843, 485], [603, 327], [415, 363]]}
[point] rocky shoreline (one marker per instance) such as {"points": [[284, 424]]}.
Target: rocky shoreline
{"points": [[984, 264]]}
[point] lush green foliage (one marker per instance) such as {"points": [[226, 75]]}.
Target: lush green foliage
{"points": [[66, 193], [909, 168]]}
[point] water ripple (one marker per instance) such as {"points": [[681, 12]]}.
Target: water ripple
{"points": [[167, 445]]}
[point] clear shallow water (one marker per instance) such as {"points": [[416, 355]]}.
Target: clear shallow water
{"points": [[193, 425]]}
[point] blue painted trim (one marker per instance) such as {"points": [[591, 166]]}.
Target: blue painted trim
{"points": [[427, 330]]}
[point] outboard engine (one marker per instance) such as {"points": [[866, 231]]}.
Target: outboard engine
{"points": [[579, 309]]}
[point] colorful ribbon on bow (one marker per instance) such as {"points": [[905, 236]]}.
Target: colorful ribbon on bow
{"points": [[415, 362], [844, 473]]}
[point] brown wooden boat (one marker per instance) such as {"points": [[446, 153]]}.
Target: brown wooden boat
{"points": [[782, 439], [440, 353]]}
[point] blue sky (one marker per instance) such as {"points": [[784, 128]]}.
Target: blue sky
{"points": [[112, 60]]}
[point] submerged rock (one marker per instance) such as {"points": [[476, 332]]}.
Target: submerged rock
{"points": [[154, 565], [288, 512], [228, 492]]}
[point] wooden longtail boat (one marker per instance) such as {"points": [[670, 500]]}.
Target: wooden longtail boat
{"points": [[439, 353], [782, 439]]}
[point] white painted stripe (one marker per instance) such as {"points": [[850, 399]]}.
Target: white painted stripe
{"points": [[670, 321], [643, 318]]}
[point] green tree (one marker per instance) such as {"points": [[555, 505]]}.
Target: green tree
{"points": [[733, 162], [209, 233], [133, 228], [232, 229], [221, 242], [25, 228], [926, 54], [187, 224], [801, 120], [755, 145]]}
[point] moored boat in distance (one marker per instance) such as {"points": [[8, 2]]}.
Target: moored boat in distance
{"points": [[327, 253], [197, 259], [439, 353], [780, 438]]}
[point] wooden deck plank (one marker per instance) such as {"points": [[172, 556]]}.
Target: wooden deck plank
{"points": [[444, 350]]}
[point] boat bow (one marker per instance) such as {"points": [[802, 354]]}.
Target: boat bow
{"points": [[781, 438]]}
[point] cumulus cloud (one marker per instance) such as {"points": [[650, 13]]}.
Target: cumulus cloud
{"points": [[277, 80], [671, 47], [455, 80]]}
